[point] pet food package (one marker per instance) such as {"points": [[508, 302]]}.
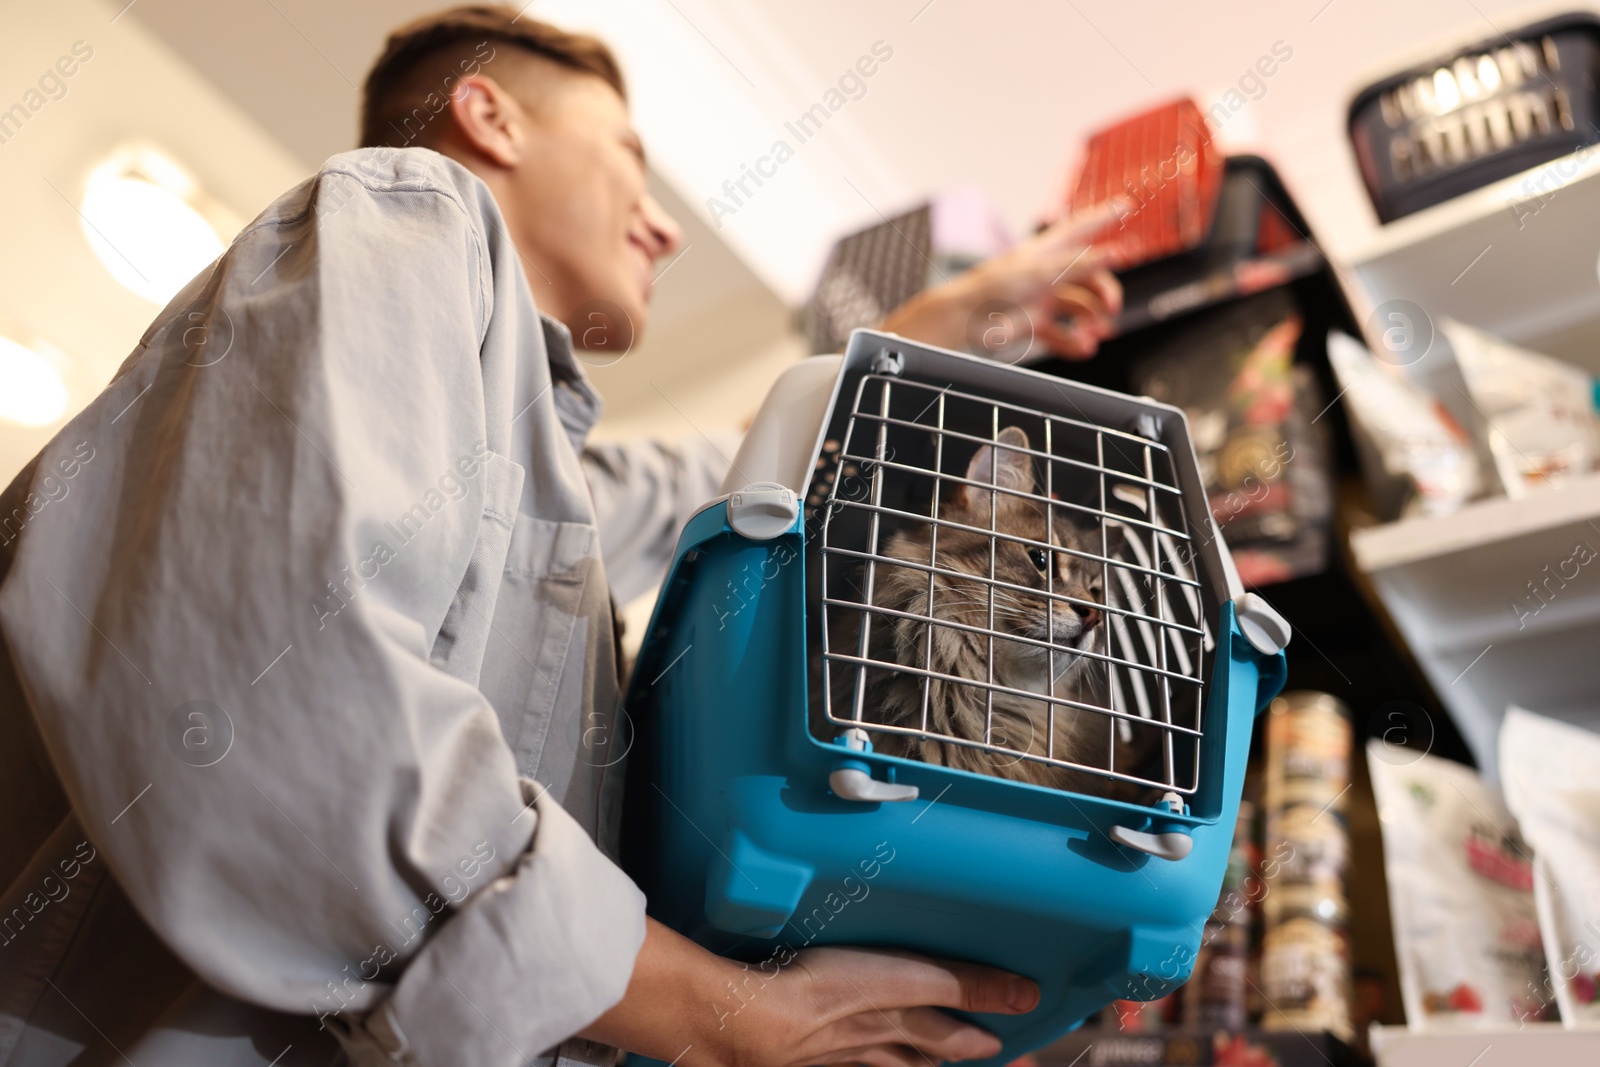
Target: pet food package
{"points": [[1412, 438], [1460, 895], [1538, 413], [1551, 775], [1266, 467]]}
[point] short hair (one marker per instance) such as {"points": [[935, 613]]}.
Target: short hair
{"points": [[422, 55]]}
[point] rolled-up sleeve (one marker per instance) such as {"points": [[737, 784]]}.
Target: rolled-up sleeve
{"points": [[644, 490], [555, 971], [258, 559]]}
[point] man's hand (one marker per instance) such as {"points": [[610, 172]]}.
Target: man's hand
{"points": [[1023, 293], [820, 1006]]}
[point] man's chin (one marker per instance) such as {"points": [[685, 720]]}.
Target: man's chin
{"points": [[608, 326], [638, 312]]}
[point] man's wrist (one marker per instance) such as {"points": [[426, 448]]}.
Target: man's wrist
{"points": [[938, 316], [669, 1011], [707, 1014]]}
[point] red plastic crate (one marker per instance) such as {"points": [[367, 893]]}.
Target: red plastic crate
{"points": [[1164, 162]]}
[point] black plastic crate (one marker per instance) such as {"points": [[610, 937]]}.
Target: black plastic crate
{"points": [[1478, 114]]}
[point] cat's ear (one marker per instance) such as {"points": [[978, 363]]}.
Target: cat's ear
{"points": [[998, 465]]}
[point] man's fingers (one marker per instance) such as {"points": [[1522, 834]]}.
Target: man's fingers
{"points": [[849, 982], [944, 1037], [884, 1056], [1106, 288], [1072, 341], [1079, 261], [906, 980], [875, 1056], [1082, 227], [1079, 301], [880, 1007], [922, 1035]]}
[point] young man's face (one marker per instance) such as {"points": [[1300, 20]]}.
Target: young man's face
{"points": [[588, 229]]}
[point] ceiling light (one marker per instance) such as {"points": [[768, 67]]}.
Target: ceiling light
{"points": [[141, 219], [31, 391]]}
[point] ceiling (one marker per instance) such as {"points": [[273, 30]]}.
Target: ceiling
{"points": [[54, 294], [991, 96], [253, 94]]}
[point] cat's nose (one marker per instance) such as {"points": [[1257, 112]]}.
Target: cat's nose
{"points": [[1090, 616]]}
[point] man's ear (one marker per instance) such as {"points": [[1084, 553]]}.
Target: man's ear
{"points": [[488, 119], [1001, 466]]}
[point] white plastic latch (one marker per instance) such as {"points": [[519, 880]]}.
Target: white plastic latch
{"points": [[887, 362], [851, 781], [1266, 630], [1168, 846], [762, 510]]}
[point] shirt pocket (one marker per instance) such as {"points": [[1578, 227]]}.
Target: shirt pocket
{"points": [[543, 623], [463, 638], [542, 551]]}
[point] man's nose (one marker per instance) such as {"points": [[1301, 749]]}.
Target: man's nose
{"points": [[666, 236]]}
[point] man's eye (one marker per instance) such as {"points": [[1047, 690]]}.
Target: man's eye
{"points": [[1039, 558]]}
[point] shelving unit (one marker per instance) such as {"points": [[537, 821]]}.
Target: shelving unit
{"points": [[1525, 267], [1451, 584], [1520, 259], [1097, 1046]]}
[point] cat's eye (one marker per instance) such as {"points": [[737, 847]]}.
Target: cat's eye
{"points": [[1039, 558]]}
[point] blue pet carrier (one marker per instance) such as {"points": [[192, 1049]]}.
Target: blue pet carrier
{"points": [[754, 836]]}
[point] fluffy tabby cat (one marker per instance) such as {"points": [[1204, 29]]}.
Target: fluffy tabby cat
{"points": [[958, 710]]}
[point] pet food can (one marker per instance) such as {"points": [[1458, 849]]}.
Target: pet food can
{"points": [[1308, 752], [1307, 780], [1305, 956], [1305, 962]]}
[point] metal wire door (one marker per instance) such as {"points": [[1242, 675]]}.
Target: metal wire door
{"points": [[1110, 506]]}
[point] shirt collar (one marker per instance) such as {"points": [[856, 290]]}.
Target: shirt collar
{"points": [[576, 400]]}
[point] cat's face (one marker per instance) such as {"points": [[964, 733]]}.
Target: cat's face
{"points": [[1024, 611]]}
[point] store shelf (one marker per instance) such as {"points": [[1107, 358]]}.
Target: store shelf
{"points": [[1458, 589], [1482, 525], [1544, 1044], [1518, 258], [1093, 1046]]}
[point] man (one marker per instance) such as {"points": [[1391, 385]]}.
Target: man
{"points": [[294, 689]]}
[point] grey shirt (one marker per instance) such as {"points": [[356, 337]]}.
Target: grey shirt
{"points": [[307, 684]]}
